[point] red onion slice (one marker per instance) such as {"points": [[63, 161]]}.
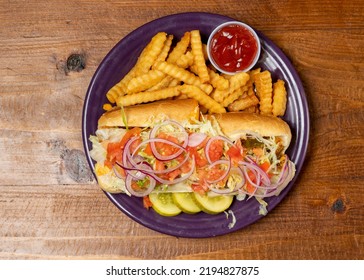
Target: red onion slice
{"points": [[138, 172], [127, 158], [117, 173], [226, 173], [241, 174], [156, 154], [253, 166], [284, 173], [196, 139], [168, 169], [128, 183], [183, 178], [153, 133]]}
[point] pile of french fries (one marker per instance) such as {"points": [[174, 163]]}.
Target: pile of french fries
{"points": [[168, 71]]}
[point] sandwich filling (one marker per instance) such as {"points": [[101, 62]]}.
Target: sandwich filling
{"points": [[193, 156]]}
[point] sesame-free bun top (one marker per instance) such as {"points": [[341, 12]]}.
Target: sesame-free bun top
{"points": [[237, 124], [142, 115]]}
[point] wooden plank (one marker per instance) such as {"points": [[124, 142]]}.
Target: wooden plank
{"points": [[50, 205], [80, 222], [42, 158]]}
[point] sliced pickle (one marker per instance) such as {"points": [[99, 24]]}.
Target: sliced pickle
{"points": [[163, 204], [186, 202], [213, 204]]}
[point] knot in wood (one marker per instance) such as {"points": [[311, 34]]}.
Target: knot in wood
{"points": [[76, 62], [76, 166], [338, 206]]}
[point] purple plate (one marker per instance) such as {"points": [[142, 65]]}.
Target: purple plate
{"points": [[121, 59]]}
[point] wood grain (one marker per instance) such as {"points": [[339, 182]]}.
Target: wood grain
{"points": [[50, 205]]}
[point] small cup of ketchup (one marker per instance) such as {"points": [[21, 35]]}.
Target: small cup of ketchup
{"points": [[233, 47]]}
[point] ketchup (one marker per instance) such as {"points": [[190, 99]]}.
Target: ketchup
{"points": [[233, 48]]}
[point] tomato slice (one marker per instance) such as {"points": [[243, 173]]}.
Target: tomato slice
{"points": [[216, 150], [235, 153], [214, 173], [111, 147], [164, 148], [186, 167], [148, 150], [200, 188], [129, 134], [146, 202], [265, 166], [249, 187], [200, 158], [135, 144], [159, 165], [174, 174], [115, 150]]}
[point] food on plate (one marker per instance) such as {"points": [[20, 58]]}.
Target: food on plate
{"points": [[235, 95], [167, 70], [166, 48], [180, 48], [279, 98], [148, 96], [178, 160], [187, 138], [241, 104], [145, 81], [163, 204], [198, 54], [185, 60], [218, 81], [143, 114], [205, 100], [264, 90], [186, 202], [235, 82], [150, 53], [182, 75]]}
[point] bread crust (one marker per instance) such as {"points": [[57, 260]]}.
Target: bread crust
{"points": [[233, 124], [142, 115], [237, 124]]}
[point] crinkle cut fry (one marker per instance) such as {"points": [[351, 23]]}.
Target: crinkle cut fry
{"points": [[203, 99], [199, 59], [279, 98], [263, 86], [148, 96], [182, 75]]}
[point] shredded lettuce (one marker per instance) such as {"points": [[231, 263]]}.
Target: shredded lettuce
{"points": [[98, 152], [262, 207], [233, 181], [112, 184], [110, 134], [205, 126], [233, 218]]}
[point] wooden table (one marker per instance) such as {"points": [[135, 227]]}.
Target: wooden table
{"points": [[50, 205]]}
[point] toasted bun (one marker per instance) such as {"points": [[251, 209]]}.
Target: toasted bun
{"points": [[236, 125], [142, 115]]}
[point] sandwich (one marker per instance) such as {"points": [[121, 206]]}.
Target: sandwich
{"points": [[179, 160]]}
